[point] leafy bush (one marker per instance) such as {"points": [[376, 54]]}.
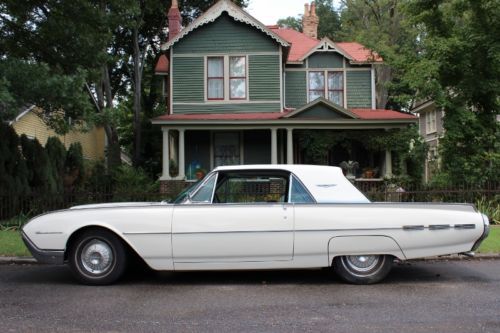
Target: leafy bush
{"points": [[133, 184], [490, 207]]}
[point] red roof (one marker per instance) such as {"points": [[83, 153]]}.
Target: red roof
{"points": [[364, 114], [162, 66], [302, 44], [358, 52]]}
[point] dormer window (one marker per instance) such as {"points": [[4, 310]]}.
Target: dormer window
{"points": [[332, 88], [226, 78]]}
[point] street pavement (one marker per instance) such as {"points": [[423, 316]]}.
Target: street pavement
{"points": [[418, 296]]}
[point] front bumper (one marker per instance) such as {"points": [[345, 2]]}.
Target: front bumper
{"points": [[53, 257], [486, 232]]}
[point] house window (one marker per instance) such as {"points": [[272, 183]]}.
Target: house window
{"points": [[237, 78], [332, 89], [215, 78], [430, 125], [316, 85], [336, 87]]}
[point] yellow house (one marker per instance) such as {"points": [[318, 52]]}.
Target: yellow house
{"points": [[32, 125]]}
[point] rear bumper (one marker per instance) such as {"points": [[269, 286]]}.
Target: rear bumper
{"points": [[486, 232], [53, 257]]}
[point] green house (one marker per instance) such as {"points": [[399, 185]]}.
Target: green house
{"points": [[240, 92]]}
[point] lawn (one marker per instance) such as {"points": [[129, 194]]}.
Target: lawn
{"points": [[11, 243]]}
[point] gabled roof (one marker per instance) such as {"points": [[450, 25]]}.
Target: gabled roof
{"points": [[303, 46], [322, 101], [233, 11]]}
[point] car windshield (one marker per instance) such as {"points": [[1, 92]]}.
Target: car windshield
{"points": [[184, 194]]}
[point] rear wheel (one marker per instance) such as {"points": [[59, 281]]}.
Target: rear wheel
{"points": [[97, 257], [362, 269]]}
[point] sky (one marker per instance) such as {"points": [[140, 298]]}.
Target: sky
{"points": [[270, 11]]}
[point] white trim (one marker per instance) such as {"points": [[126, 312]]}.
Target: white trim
{"points": [[198, 55], [296, 124], [274, 145], [289, 146], [326, 45], [22, 114], [165, 155], [171, 88], [374, 96], [282, 96], [182, 154], [345, 89], [232, 10]]}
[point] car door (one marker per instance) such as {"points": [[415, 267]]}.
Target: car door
{"points": [[235, 217]]}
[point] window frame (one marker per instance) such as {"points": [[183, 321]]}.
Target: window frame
{"points": [[335, 90], [431, 122], [326, 88], [226, 79], [238, 78], [208, 78]]}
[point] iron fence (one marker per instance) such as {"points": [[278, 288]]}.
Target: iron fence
{"points": [[33, 204]]}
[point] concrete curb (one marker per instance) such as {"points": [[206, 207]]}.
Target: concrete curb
{"points": [[454, 257]]}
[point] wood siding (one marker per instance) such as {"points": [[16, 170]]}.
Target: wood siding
{"points": [[226, 107], [225, 35], [264, 78], [326, 60], [188, 79], [93, 141], [295, 89], [359, 91]]}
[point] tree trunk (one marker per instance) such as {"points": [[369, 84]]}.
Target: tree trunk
{"points": [[383, 74], [136, 158]]}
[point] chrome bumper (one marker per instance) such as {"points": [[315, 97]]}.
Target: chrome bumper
{"points": [[53, 257], [486, 232]]}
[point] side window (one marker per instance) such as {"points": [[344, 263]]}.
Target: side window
{"points": [[299, 194], [204, 193], [251, 188]]}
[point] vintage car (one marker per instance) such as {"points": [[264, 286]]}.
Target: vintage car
{"points": [[255, 217]]}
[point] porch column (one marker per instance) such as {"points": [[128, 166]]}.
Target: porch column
{"points": [[274, 146], [166, 155], [182, 167], [388, 164], [289, 146]]}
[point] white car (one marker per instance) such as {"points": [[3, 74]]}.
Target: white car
{"points": [[255, 217]]}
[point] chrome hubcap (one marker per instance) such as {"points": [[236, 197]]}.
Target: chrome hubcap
{"points": [[97, 256], [361, 264]]}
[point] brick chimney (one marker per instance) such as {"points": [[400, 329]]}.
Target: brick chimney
{"points": [[174, 20], [310, 21]]}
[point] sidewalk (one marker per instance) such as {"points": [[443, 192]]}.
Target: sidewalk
{"points": [[453, 257]]}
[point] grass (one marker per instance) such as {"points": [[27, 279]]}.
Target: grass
{"points": [[11, 243]]}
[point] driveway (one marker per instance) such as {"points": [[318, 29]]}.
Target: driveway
{"points": [[422, 296]]}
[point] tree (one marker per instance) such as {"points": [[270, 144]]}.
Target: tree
{"points": [[57, 157], [329, 20], [459, 67], [381, 26]]}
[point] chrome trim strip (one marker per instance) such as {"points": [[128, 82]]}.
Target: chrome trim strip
{"points": [[439, 226], [291, 230], [413, 227], [146, 233], [465, 226], [48, 233]]}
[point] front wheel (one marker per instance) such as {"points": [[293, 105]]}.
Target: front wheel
{"points": [[362, 269], [97, 257]]}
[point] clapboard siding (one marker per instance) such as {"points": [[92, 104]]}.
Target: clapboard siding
{"points": [[264, 77], [359, 89]]}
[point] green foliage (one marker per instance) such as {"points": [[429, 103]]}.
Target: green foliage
{"points": [[459, 67], [13, 169], [490, 207], [406, 144], [130, 184], [74, 165], [291, 22], [57, 157], [40, 175]]}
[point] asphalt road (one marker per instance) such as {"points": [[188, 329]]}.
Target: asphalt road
{"points": [[438, 296]]}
